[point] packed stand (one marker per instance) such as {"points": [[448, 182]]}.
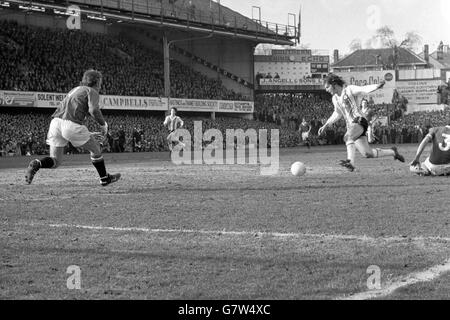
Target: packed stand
{"points": [[25, 133], [289, 109], [53, 60], [411, 128]]}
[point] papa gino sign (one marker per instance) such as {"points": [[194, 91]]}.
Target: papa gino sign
{"points": [[235, 152]]}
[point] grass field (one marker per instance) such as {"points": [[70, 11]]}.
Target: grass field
{"points": [[224, 232]]}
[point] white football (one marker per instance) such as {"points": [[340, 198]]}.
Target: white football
{"points": [[298, 169]]}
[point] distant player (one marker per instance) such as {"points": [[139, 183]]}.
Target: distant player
{"points": [[305, 130], [67, 126], [346, 101], [438, 163], [371, 117], [173, 122]]}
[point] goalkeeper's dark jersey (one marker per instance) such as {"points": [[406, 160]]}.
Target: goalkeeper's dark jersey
{"points": [[440, 152]]}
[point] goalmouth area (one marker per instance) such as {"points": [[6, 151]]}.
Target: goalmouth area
{"points": [[225, 232]]}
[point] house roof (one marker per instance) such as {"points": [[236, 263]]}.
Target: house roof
{"points": [[445, 61], [368, 57], [434, 62]]}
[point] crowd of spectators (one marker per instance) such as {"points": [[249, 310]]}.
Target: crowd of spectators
{"points": [[288, 110], [397, 127], [25, 133], [53, 60], [412, 127]]}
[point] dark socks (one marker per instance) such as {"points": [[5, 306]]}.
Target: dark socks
{"points": [[99, 164]]}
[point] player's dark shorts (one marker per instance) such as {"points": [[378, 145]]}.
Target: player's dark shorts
{"points": [[357, 130]]}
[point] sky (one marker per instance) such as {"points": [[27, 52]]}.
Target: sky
{"points": [[333, 24]]}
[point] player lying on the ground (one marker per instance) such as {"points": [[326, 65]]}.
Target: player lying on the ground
{"points": [[67, 126], [345, 101], [173, 122], [438, 163]]}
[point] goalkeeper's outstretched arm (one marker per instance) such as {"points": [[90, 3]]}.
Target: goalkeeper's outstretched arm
{"points": [[422, 146]]}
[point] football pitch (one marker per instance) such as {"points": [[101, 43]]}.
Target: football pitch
{"points": [[224, 231]]}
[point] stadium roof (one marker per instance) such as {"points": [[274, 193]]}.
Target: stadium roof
{"points": [[378, 57], [197, 15]]}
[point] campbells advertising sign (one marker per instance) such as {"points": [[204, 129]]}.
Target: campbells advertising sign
{"points": [[107, 102], [132, 103]]}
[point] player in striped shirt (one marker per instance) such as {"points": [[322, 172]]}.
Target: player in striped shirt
{"points": [[346, 101], [173, 122], [438, 163]]}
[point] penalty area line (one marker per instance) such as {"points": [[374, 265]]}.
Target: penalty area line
{"points": [[428, 275], [331, 237]]}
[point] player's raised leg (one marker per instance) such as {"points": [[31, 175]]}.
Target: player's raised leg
{"points": [[367, 151], [99, 163], [51, 162], [170, 142], [57, 144]]}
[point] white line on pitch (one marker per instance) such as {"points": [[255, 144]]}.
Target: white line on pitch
{"points": [[424, 276], [249, 233]]}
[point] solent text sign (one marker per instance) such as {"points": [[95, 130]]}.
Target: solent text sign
{"points": [[107, 102]]}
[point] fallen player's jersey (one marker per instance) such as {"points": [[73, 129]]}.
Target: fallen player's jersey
{"points": [[75, 106], [440, 152]]}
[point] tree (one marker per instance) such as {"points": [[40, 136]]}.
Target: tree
{"points": [[385, 37], [356, 44]]}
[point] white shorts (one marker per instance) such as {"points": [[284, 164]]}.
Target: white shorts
{"points": [[62, 131], [305, 135], [428, 168]]}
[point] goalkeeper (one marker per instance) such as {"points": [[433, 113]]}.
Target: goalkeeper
{"points": [[438, 163], [67, 126]]}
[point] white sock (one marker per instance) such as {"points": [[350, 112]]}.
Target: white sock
{"points": [[351, 152], [383, 153]]}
